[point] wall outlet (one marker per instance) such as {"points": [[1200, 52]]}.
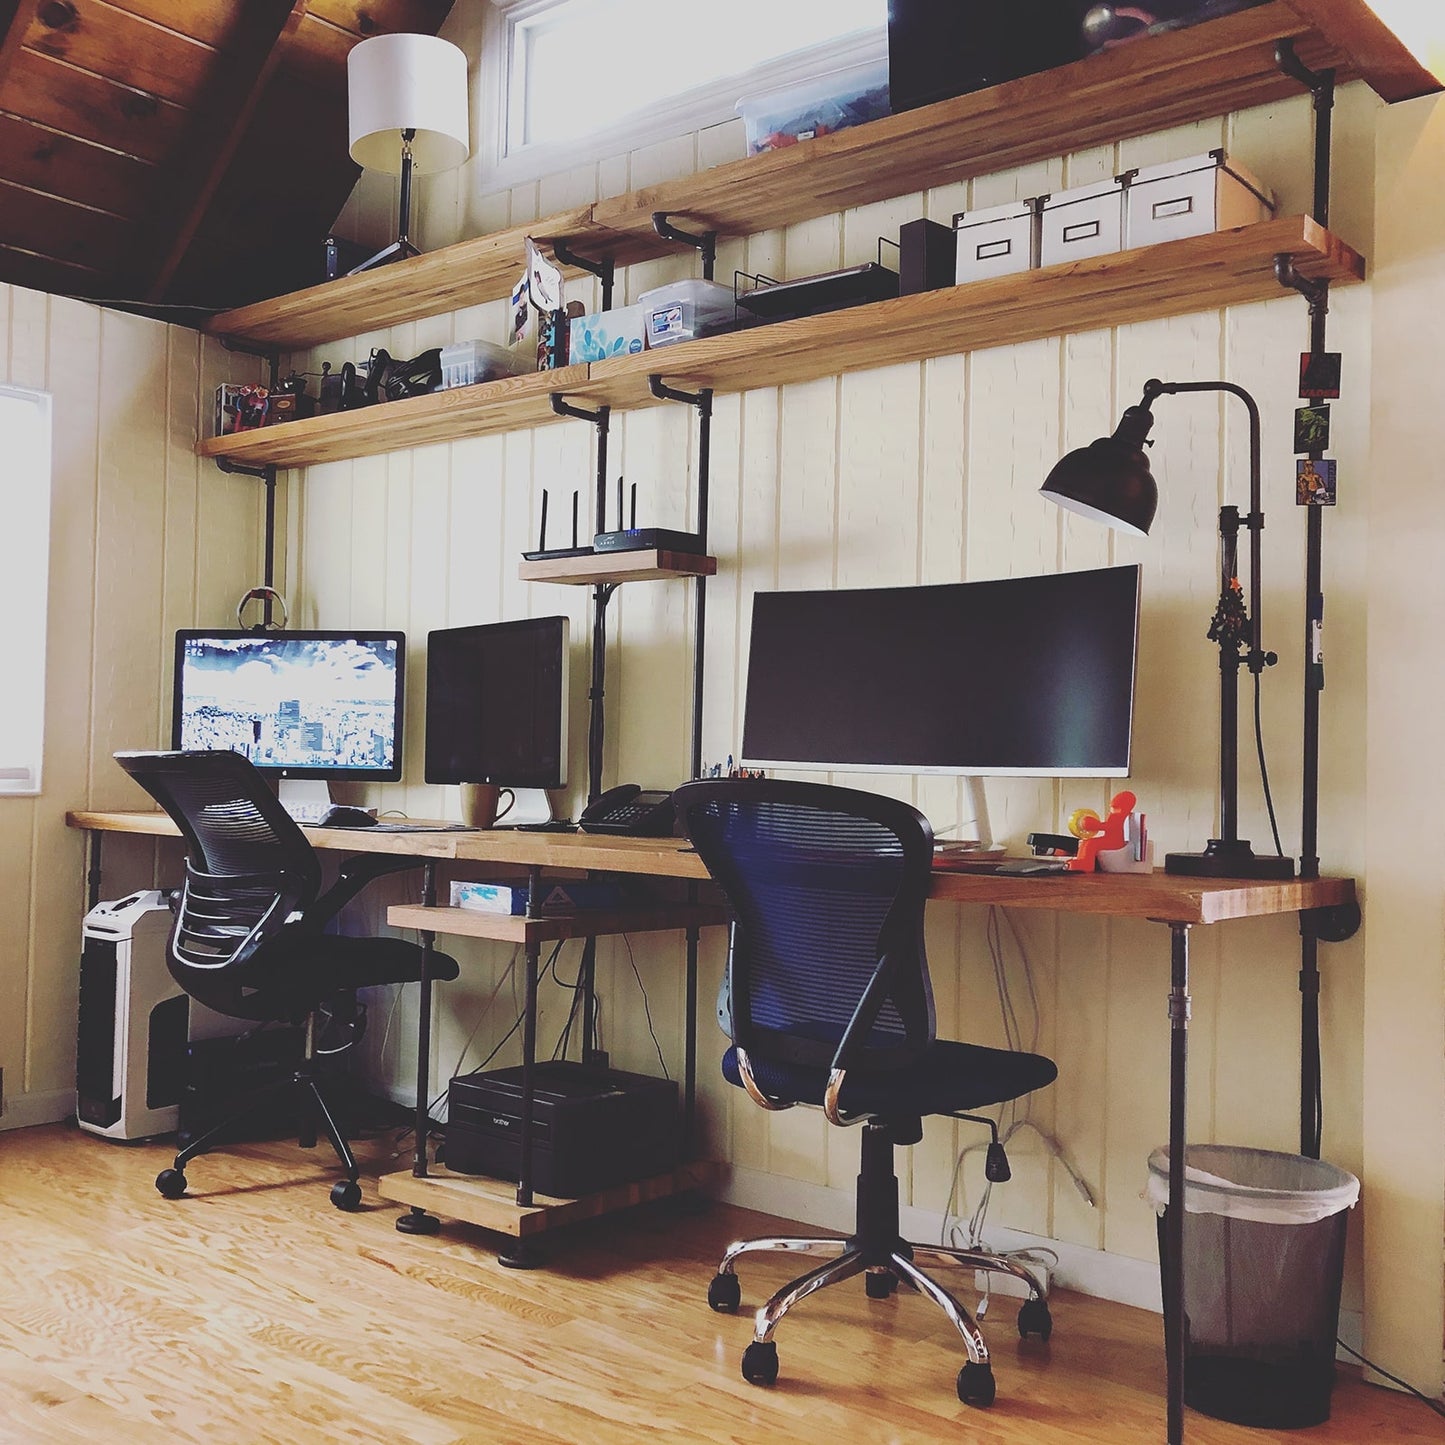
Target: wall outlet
{"points": [[998, 1283]]}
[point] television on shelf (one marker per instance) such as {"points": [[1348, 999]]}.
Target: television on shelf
{"points": [[299, 705], [1019, 676]]}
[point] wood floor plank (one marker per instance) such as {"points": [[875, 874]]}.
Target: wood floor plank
{"points": [[253, 1313]]}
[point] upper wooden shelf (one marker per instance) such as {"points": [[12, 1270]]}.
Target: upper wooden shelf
{"points": [[1171, 279], [1166, 80]]}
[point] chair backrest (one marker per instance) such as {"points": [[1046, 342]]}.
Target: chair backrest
{"points": [[249, 868], [827, 889]]}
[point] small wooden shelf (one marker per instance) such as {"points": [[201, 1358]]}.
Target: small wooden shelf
{"points": [[1174, 278], [644, 566], [491, 1203], [592, 923]]}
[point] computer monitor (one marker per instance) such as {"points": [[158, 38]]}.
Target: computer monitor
{"points": [[496, 704], [316, 705], [1025, 676]]}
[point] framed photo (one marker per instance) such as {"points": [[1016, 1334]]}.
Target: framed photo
{"points": [[1319, 376], [1314, 483]]}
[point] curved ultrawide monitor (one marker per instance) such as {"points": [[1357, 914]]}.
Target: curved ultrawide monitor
{"points": [[298, 704], [1025, 676]]}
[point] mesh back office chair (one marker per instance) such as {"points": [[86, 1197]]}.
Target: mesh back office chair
{"points": [[831, 1005], [248, 937]]}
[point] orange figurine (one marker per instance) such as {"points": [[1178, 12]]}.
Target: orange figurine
{"points": [[1101, 837]]}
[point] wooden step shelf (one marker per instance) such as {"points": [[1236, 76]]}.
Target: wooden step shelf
{"points": [[491, 1203], [649, 565], [1175, 278], [1166, 80], [590, 923]]}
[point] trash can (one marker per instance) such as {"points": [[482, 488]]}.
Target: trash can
{"points": [[1264, 1254]]}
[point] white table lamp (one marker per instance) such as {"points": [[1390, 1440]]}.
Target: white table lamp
{"points": [[407, 104]]}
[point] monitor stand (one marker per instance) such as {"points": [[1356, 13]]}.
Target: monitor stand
{"points": [[533, 805], [306, 799]]}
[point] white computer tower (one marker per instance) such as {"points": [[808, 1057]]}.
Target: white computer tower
{"points": [[135, 1021]]}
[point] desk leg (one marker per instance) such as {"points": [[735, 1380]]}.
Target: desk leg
{"points": [[587, 981], [92, 877], [519, 1254], [1178, 1080], [689, 1044], [417, 1220]]}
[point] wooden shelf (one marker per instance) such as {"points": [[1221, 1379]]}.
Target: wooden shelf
{"points": [[1174, 278], [644, 566], [1166, 80], [491, 1203], [591, 923]]}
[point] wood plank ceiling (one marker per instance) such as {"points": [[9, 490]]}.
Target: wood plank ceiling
{"points": [[178, 152]]}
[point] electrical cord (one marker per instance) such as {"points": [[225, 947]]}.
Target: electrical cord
{"points": [[646, 1007], [1264, 769], [1435, 1405]]}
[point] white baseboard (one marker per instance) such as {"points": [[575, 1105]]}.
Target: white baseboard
{"points": [[22, 1111]]}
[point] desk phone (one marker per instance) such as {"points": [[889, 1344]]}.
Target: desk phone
{"points": [[630, 810]]}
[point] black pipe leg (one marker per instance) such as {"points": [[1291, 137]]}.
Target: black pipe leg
{"points": [[1178, 1080]]}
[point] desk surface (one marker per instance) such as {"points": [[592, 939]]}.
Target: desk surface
{"points": [[1158, 896]]}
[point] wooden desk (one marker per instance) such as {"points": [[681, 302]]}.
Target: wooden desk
{"points": [[1178, 903]]}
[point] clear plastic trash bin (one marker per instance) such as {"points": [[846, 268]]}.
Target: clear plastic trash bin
{"points": [[1264, 1254]]}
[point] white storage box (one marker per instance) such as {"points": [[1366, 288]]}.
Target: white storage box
{"points": [[1191, 198], [606, 333], [686, 309], [830, 102], [468, 362], [995, 241], [1085, 221]]}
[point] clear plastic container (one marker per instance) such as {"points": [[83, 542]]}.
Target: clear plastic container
{"points": [[683, 310], [834, 101], [466, 362]]}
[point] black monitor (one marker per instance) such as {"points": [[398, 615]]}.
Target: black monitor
{"points": [[324, 705], [496, 704], [1027, 676]]}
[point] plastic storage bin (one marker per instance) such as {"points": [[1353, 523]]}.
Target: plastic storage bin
{"points": [[1264, 1253], [686, 309], [468, 362], [830, 102]]}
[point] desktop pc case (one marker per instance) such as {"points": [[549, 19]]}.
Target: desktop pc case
{"points": [[592, 1127]]}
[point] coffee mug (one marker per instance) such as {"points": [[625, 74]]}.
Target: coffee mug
{"points": [[482, 804]]}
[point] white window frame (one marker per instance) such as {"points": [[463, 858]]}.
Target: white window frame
{"points": [[28, 537], [691, 111]]}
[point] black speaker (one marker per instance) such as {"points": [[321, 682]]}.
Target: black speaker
{"points": [[942, 48], [927, 256]]}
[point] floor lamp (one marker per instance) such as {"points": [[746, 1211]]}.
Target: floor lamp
{"points": [[407, 106], [1109, 481]]}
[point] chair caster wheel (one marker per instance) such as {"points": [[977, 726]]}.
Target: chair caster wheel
{"points": [[724, 1294], [880, 1284], [975, 1385], [346, 1194], [1034, 1319], [171, 1183], [760, 1363]]}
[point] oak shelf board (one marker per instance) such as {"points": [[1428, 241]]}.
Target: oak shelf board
{"points": [[1163, 81], [491, 1203], [646, 565], [589, 923]]}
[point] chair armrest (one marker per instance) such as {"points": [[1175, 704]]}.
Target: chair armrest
{"points": [[354, 875]]}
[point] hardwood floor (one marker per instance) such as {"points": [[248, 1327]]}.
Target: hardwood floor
{"points": [[252, 1311]]}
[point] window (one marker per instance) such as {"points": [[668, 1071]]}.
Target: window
{"points": [[25, 511], [578, 80]]}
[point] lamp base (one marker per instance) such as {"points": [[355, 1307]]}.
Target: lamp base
{"points": [[1228, 858], [397, 251]]}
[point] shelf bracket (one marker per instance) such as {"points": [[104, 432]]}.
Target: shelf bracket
{"points": [[1321, 85], [1317, 293], [706, 242], [604, 271], [562, 407], [266, 474], [701, 399]]}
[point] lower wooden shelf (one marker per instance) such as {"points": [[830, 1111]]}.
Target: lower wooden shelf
{"points": [[491, 1203], [649, 565], [591, 923]]}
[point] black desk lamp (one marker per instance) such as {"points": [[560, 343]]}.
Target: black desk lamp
{"points": [[1110, 481]]}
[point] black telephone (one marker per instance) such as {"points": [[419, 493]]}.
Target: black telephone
{"points": [[629, 810]]}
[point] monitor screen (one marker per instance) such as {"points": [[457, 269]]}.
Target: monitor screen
{"points": [[1028, 676], [496, 704], [298, 704]]}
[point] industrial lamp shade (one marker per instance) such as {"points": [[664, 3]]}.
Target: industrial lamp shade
{"points": [[1109, 480], [397, 83]]}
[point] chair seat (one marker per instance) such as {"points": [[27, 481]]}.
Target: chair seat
{"points": [[304, 968], [949, 1078]]}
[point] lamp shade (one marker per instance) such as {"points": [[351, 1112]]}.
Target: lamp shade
{"points": [[1109, 480], [407, 82]]}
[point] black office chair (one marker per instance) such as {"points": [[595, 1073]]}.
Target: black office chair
{"points": [[248, 938], [831, 1006]]}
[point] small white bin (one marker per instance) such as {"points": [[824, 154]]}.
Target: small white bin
{"points": [[834, 101], [1192, 198], [466, 362], [684, 310], [618, 332], [996, 241], [1085, 221]]}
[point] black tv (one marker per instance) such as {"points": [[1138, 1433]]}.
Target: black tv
{"points": [[496, 704], [1023, 676], [299, 704]]}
